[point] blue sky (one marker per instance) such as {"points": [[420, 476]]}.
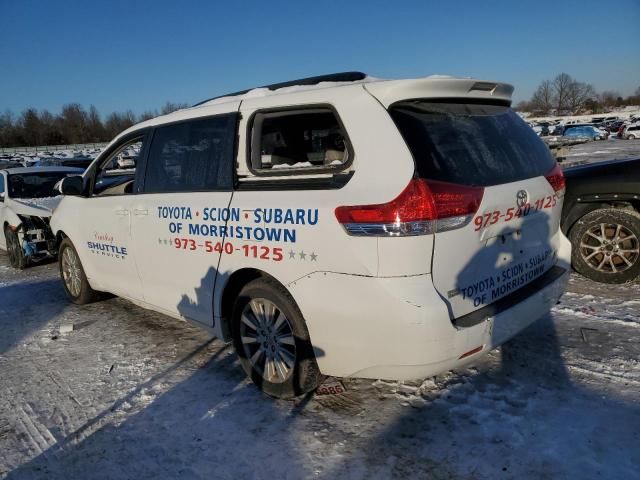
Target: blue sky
{"points": [[136, 55]]}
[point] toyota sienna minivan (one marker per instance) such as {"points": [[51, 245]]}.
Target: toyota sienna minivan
{"points": [[332, 226]]}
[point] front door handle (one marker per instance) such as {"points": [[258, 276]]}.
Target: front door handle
{"points": [[140, 213], [122, 213]]}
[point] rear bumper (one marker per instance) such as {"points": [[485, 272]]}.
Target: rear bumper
{"points": [[399, 328], [505, 303]]}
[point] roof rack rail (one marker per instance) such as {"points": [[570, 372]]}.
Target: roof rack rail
{"points": [[332, 77]]}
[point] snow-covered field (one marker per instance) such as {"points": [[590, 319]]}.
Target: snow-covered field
{"points": [[133, 394], [613, 148]]}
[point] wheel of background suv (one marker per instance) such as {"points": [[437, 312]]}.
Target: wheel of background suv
{"points": [[73, 277], [14, 249], [606, 245], [272, 340]]}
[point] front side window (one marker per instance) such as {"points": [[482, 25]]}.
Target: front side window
{"points": [[298, 141], [116, 175], [192, 156]]}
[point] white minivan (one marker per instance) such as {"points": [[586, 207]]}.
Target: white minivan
{"points": [[338, 225]]}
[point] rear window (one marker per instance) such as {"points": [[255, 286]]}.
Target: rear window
{"points": [[298, 142], [470, 144]]}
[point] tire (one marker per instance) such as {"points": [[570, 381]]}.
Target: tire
{"points": [[17, 258], [606, 245], [73, 277], [268, 329]]}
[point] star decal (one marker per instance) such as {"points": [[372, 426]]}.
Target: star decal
{"points": [[314, 257], [303, 255], [292, 254]]}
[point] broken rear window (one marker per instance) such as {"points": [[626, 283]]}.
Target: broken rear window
{"points": [[298, 141]]}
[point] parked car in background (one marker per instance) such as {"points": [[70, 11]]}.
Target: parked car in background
{"points": [[74, 162], [631, 132], [585, 131], [27, 200], [602, 220], [613, 127], [275, 222], [126, 162], [9, 163]]}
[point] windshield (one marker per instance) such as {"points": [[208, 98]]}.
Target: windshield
{"points": [[34, 185], [470, 144]]}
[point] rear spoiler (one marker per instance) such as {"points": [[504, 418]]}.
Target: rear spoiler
{"points": [[392, 91]]}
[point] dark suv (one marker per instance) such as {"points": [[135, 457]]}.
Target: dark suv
{"points": [[602, 220]]}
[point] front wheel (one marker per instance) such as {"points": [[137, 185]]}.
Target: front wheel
{"points": [[17, 259], [606, 245], [73, 277], [271, 338]]}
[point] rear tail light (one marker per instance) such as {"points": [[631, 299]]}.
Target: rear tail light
{"points": [[424, 207], [556, 178]]}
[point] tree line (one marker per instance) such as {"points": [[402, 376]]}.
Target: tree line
{"points": [[565, 95], [72, 125]]}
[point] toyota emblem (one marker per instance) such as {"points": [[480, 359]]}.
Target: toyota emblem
{"points": [[522, 198]]}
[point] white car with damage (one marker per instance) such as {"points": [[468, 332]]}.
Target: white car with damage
{"points": [[341, 225], [27, 199]]}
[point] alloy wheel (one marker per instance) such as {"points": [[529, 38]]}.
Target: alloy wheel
{"points": [[267, 340], [610, 248], [71, 272]]}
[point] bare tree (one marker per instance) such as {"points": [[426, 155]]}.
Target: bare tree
{"points": [[7, 128], [523, 106], [543, 98], [74, 123], [117, 122], [609, 98], [32, 127], [148, 115], [51, 127], [95, 129], [578, 94], [561, 86], [172, 107]]}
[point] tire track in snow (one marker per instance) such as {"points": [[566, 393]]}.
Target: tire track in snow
{"points": [[35, 438]]}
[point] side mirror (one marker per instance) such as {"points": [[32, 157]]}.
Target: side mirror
{"points": [[72, 185]]}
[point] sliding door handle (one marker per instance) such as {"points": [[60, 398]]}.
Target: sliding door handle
{"points": [[122, 213], [140, 212]]}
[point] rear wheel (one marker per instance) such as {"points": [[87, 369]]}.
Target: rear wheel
{"points": [[73, 277], [272, 340], [17, 258], [606, 245]]}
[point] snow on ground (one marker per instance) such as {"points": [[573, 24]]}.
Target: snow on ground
{"points": [[613, 148], [134, 394]]}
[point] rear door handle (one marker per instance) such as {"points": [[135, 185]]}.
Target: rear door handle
{"points": [[122, 213], [140, 213]]}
